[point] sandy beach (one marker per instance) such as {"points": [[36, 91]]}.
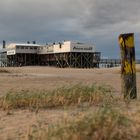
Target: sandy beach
{"points": [[49, 78]]}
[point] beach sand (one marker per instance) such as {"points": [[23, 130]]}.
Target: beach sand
{"points": [[48, 78]]}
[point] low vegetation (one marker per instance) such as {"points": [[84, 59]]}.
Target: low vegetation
{"points": [[76, 95], [104, 116], [3, 70], [104, 124]]}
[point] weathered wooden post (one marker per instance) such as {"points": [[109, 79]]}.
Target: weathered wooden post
{"points": [[128, 70]]}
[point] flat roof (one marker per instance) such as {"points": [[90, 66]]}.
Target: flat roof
{"points": [[21, 44]]}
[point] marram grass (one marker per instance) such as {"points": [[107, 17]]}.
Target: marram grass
{"points": [[105, 123], [111, 120], [3, 70], [76, 95]]}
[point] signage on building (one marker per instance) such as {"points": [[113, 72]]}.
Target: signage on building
{"points": [[11, 52], [82, 48]]}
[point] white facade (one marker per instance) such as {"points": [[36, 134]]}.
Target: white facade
{"points": [[62, 47], [49, 49], [65, 47], [12, 49]]}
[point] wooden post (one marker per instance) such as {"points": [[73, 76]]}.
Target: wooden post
{"points": [[128, 70]]}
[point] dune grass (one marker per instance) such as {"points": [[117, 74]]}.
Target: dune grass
{"points": [[104, 117], [75, 95], [106, 123], [3, 70]]}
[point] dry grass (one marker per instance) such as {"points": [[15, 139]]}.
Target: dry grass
{"points": [[76, 95], [103, 118], [106, 123], [82, 112], [3, 70]]}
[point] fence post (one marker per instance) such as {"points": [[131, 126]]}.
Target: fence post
{"points": [[128, 70]]}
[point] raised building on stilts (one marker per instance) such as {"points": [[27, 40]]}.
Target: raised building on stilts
{"points": [[65, 54]]}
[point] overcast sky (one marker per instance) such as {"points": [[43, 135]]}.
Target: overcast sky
{"points": [[94, 21]]}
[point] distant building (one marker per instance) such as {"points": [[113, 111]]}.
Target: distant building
{"points": [[65, 54], [22, 54]]}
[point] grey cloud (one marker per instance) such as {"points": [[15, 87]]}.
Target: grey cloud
{"points": [[68, 19], [101, 14], [87, 14], [31, 17]]}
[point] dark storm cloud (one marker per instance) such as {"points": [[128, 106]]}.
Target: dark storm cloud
{"points": [[107, 12], [48, 20], [109, 16], [25, 18]]}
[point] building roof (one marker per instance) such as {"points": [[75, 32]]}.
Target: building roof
{"points": [[21, 44], [13, 45]]}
